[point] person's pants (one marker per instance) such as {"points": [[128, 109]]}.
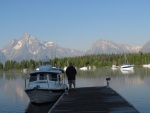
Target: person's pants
{"points": [[70, 82]]}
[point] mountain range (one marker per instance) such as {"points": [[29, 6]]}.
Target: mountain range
{"points": [[28, 47], [109, 47]]}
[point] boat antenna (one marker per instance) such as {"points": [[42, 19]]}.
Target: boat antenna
{"points": [[46, 61]]}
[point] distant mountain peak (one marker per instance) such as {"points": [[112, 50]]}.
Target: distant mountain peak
{"points": [[146, 47], [27, 37], [49, 43], [29, 47], [108, 47]]}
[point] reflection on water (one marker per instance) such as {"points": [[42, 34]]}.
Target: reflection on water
{"points": [[12, 96], [133, 86], [127, 71], [39, 108]]}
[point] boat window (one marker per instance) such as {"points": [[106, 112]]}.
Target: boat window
{"points": [[33, 78], [53, 77], [42, 77]]}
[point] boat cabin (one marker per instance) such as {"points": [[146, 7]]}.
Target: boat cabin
{"points": [[42, 76], [46, 76]]}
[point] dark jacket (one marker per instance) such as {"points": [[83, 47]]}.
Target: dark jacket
{"points": [[71, 73]]}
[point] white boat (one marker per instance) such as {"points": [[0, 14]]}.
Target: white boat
{"points": [[114, 67], [45, 84], [146, 65], [25, 70], [84, 68], [127, 67]]}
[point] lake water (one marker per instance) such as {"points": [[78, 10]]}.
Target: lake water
{"points": [[133, 86]]}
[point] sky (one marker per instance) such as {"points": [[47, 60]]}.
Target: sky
{"points": [[76, 24]]}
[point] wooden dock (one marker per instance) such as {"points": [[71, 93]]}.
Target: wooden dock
{"points": [[92, 100]]}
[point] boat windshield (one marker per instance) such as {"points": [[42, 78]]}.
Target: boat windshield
{"points": [[44, 76], [53, 77], [33, 78]]}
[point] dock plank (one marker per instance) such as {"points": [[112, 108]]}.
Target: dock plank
{"points": [[92, 100]]}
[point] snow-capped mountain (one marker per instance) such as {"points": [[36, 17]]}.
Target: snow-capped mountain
{"points": [[29, 47], [109, 47]]}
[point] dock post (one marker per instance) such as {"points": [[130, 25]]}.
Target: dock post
{"points": [[107, 79], [25, 83]]}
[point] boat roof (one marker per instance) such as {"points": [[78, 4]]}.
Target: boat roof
{"points": [[47, 69]]}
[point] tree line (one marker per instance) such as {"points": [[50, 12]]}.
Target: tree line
{"points": [[99, 60]]}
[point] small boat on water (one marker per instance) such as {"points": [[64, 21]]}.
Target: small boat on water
{"points": [[127, 67], [45, 84], [84, 68], [146, 65], [114, 67]]}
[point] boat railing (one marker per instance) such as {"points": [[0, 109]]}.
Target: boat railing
{"points": [[47, 83], [25, 82]]}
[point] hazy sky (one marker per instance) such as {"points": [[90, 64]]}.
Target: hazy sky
{"points": [[76, 24]]}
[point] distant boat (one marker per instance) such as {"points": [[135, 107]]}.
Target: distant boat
{"points": [[25, 70], [146, 65], [127, 67], [84, 68], [114, 67]]}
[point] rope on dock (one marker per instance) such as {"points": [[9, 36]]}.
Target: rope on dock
{"points": [[66, 92]]}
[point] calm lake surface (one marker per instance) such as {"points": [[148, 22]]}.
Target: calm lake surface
{"points": [[133, 86]]}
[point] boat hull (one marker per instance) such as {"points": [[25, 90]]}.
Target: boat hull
{"points": [[43, 95], [127, 67]]}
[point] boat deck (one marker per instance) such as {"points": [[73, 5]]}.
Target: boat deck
{"points": [[92, 100]]}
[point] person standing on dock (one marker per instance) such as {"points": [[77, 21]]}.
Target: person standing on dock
{"points": [[71, 75]]}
